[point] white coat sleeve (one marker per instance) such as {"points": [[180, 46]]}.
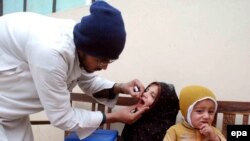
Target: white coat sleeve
{"points": [[49, 73], [91, 83]]}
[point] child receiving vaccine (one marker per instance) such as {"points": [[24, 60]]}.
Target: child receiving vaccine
{"points": [[198, 106], [163, 104]]}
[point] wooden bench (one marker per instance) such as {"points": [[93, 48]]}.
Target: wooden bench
{"points": [[228, 109]]}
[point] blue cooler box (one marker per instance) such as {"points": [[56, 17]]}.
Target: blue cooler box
{"points": [[98, 135]]}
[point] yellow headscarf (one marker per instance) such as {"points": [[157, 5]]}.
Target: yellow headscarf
{"points": [[190, 95]]}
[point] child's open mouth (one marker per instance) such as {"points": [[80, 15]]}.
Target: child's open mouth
{"points": [[142, 101]]}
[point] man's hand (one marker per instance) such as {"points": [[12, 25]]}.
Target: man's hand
{"points": [[125, 115], [129, 88]]}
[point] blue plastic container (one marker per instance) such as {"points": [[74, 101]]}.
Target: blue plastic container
{"points": [[98, 135]]}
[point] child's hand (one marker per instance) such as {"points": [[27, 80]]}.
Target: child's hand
{"points": [[207, 130]]}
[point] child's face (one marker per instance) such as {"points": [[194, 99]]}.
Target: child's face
{"points": [[203, 113], [149, 95]]}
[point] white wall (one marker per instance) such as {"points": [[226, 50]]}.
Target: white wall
{"points": [[187, 42], [184, 42]]}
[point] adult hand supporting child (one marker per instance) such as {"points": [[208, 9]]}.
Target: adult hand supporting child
{"points": [[125, 115]]}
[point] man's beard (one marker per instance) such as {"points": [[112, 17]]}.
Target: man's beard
{"points": [[82, 60]]}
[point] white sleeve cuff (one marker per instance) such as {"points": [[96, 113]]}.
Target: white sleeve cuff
{"points": [[91, 122]]}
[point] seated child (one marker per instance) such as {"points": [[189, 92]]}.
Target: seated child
{"points": [[198, 107], [163, 104]]}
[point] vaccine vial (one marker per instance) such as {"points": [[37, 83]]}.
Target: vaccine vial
{"points": [[136, 89]]}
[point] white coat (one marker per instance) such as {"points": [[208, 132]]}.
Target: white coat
{"points": [[38, 69]]}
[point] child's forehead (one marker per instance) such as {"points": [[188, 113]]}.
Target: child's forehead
{"points": [[153, 86], [205, 102]]}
